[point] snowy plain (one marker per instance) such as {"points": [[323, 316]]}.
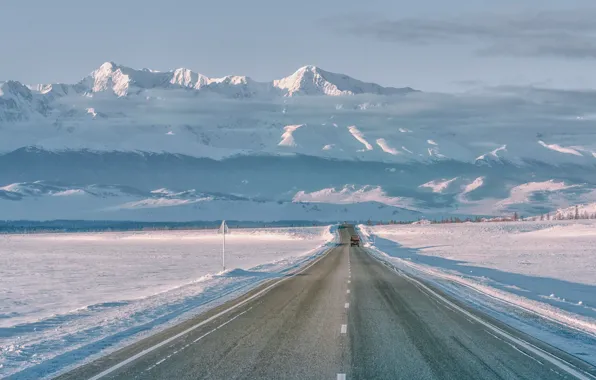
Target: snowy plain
{"points": [[537, 276], [68, 298]]}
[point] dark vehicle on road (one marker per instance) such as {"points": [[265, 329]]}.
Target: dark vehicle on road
{"points": [[355, 241]]}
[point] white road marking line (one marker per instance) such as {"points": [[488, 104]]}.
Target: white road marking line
{"points": [[341, 376], [349, 281], [196, 340], [156, 364], [213, 317], [347, 305], [348, 291], [344, 329], [502, 340], [556, 361]]}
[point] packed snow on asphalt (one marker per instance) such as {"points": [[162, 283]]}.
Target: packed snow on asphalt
{"points": [[67, 298], [519, 272]]}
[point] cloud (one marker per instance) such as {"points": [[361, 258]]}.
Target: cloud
{"points": [[568, 33]]}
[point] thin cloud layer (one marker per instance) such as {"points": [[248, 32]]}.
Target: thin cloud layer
{"points": [[569, 33]]}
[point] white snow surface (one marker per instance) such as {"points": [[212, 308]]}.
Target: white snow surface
{"points": [[383, 144], [311, 80], [287, 139], [589, 208], [173, 119], [543, 268], [118, 108], [360, 137], [40, 201], [494, 154], [65, 294], [473, 186], [560, 149], [438, 186], [520, 194], [350, 195]]}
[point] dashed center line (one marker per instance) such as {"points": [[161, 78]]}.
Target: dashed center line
{"points": [[344, 329], [196, 340], [347, 305], [341, 376], [348, 291]]}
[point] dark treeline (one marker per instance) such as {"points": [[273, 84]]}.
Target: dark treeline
{"points": [[452, 219], [576, 214]]}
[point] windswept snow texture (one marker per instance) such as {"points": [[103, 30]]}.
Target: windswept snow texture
{"points": [[474, 185], [438, 186], [349, 195], [383, 144], [521, 193], [287, 137], [45, 201], [360, 137], [238, 143], [81, 295], [541, 268], [494, 154], [560, 149]]}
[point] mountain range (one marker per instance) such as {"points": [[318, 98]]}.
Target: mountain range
{"points": [[314, 145]]}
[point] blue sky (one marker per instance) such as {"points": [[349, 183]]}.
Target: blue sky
{"points": [[432, 45]]}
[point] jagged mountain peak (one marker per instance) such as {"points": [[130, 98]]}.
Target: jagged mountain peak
{"points": [[188, 78], [120, 79], [312, 80], [307, 80], [13, 88], [20, 102]]}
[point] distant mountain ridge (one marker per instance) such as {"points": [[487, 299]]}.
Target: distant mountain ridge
{"points": [[122, 81], [20, 102], [312, 145]]}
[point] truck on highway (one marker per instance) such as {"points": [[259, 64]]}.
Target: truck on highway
{"points": [[355, 241]]}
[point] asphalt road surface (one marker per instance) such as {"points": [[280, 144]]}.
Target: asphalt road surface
{"points": [[346, 316]]}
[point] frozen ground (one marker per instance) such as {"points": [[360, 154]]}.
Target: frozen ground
{"points": [[66, 298], [538, 276]]}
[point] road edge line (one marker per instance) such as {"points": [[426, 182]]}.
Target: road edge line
{"points": [[210, 319], [560, 363]]}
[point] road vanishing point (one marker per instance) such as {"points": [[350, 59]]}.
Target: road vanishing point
{"points": [[345, 315]]}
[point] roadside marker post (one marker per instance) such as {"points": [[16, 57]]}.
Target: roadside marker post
{"points": [[223, 229]]}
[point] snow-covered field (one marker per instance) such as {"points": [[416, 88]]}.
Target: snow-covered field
{"points": [[517, 272], [66, 298]]}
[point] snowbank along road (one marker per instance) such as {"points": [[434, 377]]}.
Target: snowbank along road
{"points": [[344, 316]]}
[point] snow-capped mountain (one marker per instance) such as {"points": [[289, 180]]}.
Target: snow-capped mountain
{"points": [[18, 103], [311, 80], [313, 137], [308, 80]]}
